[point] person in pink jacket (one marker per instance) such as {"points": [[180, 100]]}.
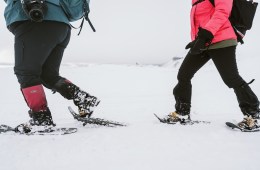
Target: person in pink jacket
{"points": [[213, 38]]}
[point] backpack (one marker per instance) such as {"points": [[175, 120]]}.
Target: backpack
{"points": [[76, 10], [242, 16]]}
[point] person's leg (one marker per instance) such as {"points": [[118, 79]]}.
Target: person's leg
{"points": [[225, 61], [31, 51], [50, 70], [51, 78], [36, 101], [183, 90]]}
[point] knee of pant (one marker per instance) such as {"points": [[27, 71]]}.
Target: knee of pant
{"points": [[28, 81], [234, 83], [27, 78]]}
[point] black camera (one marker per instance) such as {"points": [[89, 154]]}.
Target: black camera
{"points": [[34, 9]]}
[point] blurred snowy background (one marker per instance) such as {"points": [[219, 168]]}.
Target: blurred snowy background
{"points": [[152, 34], [130, 32]]}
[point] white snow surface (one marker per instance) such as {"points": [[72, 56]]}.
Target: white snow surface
{"points": [[131, 94]]}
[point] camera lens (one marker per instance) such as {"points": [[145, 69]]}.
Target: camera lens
{"points": [[36, 15]]}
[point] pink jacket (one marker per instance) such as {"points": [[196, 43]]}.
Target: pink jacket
{"points": [[214, 19]]}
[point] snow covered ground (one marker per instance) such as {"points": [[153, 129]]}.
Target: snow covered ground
{"points": [[131, 94]]}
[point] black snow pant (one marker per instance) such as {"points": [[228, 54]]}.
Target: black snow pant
{"points": [[39, 50], [225, 62]]}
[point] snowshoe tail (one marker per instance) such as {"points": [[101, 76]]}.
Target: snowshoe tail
{"points": [[6, 128], [53, 131], [47, 131]]}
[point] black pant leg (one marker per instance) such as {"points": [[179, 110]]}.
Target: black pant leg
{"points": [[190, 65], [50, 70], [225, 62], [34, 42]]}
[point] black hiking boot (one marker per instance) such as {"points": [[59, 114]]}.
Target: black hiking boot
{"points": [[83, 100], [249, 123], [249, 105], [174, 117], [39, 121], [182, 113], [86, 103]]}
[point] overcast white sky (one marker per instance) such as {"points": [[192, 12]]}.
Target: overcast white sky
{"points": [[128, 32]]}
